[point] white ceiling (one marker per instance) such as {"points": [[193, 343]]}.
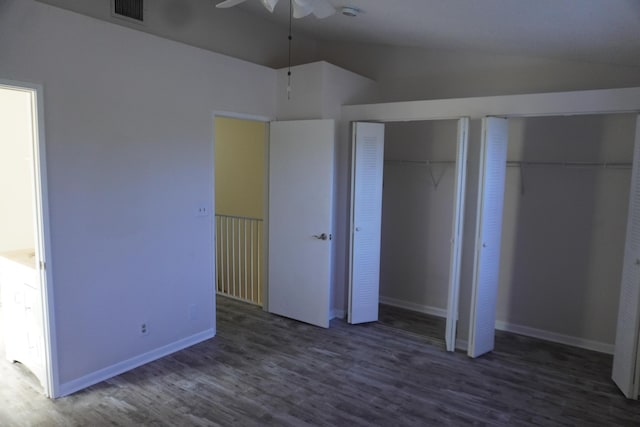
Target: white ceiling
{"points": [[589, 30]]}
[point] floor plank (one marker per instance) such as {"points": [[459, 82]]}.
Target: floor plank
{"points": [[267, 370]]}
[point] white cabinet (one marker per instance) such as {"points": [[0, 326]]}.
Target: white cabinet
{"points": [[22, 311]]}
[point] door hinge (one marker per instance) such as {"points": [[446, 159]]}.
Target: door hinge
{"points": [[43, 265]]}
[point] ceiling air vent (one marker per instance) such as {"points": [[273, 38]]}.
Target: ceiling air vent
{"points": [[131, 10]]}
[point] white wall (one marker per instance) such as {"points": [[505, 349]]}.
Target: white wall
{"points": [[304, 100], [563, 238], [128, 121], [417, 214], [319, 90], [406, 74], [16, 176], [199, 23]]}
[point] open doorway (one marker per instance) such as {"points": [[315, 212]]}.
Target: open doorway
{"points": [[422, 232], [24, 296], [551, 268], [417, 211], [293, 166], [565, 213], [240, 146]]}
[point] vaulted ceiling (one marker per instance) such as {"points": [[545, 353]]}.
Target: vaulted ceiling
{"points": [[605, 31]]}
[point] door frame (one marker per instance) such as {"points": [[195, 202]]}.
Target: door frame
{"points": [[455, 255], [585, 102], [265, 205], [42, 233]]}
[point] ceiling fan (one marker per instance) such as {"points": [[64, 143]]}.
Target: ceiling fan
{"points": [[301, 8]]}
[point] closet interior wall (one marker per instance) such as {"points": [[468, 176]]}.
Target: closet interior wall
{"points": [[417, 213], [564, 227]]}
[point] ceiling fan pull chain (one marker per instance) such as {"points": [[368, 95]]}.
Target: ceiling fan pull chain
{"points": [[290, 41]]}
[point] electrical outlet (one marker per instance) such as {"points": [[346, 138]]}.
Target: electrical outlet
{"points": [[144, 328], [202, 211]]}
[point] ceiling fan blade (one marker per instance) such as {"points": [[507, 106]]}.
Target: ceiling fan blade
{"points": [[302, 8], [229, 3], [270, 4], [323, 9]]}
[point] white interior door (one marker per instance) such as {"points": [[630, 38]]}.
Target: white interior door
{"points": [[366, 218], [493, 157], [456, 235], [301, 158], [626, 358]]}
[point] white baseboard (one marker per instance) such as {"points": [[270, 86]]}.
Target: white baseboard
{"points": [[338, 313], [420, 308], [507, 327], [127, 365], [555, 337]]}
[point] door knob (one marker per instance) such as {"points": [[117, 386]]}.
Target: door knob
{"points": [[322, 236]]}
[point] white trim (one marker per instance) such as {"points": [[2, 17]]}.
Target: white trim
{"points": [[603, 101], [43, 236], [555, 337], [212, 220], [352, 181], [420, 308], [127, 365], [265, 218], [241, 116], [527, 331]]}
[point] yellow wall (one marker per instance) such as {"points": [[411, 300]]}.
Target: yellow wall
{"points": [[239, 163], [16, 171]]}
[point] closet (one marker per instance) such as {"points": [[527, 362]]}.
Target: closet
{"points": [[605, 266], [417, 224], [565, 205], [565, 212]]}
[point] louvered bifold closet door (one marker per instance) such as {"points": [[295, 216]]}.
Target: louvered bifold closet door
{"points": [[493, 166], [456, 235], [626, 360], [366, 218]]}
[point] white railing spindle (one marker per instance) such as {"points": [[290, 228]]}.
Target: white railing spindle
{"points": [[239, 246]]}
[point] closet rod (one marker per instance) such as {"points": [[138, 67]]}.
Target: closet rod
{"points": [[519, 163], [422, 162], [605, 165]]}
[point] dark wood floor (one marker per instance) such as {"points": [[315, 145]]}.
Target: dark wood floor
{"points": [[266, 370], [427, 328]]}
